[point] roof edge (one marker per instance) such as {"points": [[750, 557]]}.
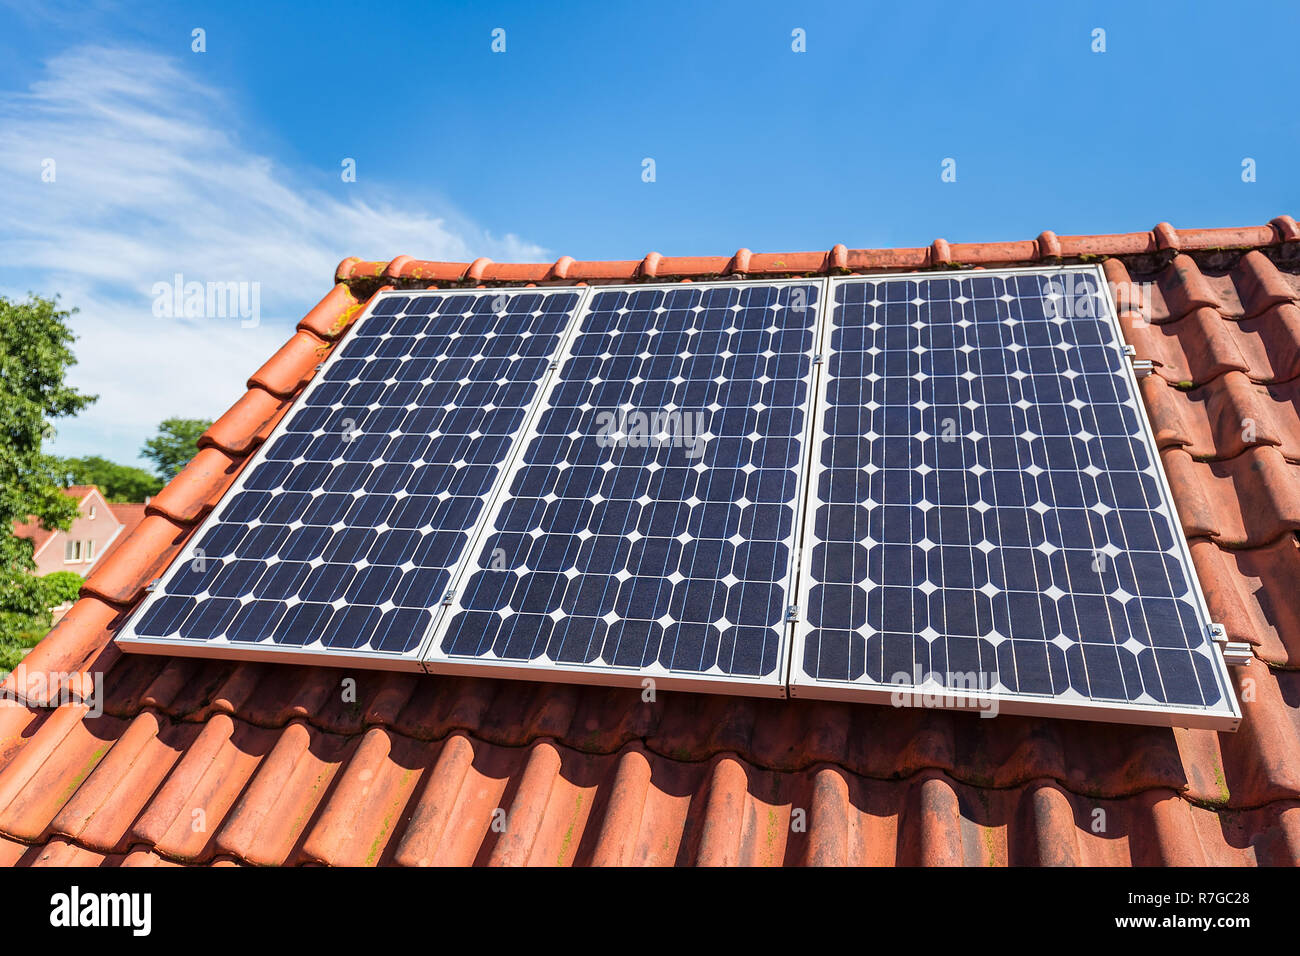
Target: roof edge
{"points": [[1143, 252]]}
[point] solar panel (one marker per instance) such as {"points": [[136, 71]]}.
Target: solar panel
{"points": [[943, 493], [341, 536], [648, 528], [988, 523]]}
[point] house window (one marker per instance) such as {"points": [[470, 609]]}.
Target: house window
{"points": [[92, 513], [71, 552], [90, 551]]}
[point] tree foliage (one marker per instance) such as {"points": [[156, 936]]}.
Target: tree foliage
{"points": [[60, 587], [116, 482], [35, 355], [174, 445]]}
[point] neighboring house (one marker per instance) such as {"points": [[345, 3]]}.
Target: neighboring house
{"points": [[96, 530], [414, 769]]}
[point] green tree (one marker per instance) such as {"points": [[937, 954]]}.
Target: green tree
{"points": [[117, 482], [35, 355], [174, 445], [60, 587]]}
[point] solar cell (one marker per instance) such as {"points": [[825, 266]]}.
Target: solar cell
{"points": [[988, 521], [648, 528], [340, 538]]}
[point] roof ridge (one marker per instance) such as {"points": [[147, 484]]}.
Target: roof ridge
{"points": [[1162, 239]]}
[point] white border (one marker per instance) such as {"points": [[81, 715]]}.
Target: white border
{"points": [[314, 653], [1214, 718], [772, 685]]}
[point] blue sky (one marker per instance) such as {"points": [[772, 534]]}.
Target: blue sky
{"points": [[225, 165]]}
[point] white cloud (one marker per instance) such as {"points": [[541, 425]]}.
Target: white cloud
{"points": [[151, 180]]}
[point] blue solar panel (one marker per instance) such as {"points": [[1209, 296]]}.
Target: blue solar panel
{"points": [[649, 527], [341, 536], [987, 511], [957, 503]]}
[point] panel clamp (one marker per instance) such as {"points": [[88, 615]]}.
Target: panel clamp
{"points": [[1141, 367], [792, 612], [1235, 653], [448, 597]]}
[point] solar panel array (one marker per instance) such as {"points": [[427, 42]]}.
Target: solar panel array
{"points": [[987, 513], [943, 486], [649, 528], [341, 537]]}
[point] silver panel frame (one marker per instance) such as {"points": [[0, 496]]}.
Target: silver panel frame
{"points": [[314, 653], [774, 685], [804, 686]]}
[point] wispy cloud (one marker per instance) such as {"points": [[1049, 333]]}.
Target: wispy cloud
{"points": [[151, 180]]}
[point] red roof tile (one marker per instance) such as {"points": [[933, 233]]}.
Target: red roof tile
{"points": [[128, 513], [281, 769]]}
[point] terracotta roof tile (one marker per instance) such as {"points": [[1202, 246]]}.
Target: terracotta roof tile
{"points": [[1205, 344], [1246, 591], [190, 495], [292, 367], [281, 768], [333, 314], [245, 424], [129, 514], [1226, 416], [59, 852], [122, 576], [1241, 502]]}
